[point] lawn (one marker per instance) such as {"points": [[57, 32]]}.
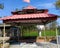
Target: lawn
{"points": [[35, 33], [49, 33], [30, 33]]}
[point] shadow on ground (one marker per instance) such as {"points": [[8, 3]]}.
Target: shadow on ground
{"points": [[53, 41]]}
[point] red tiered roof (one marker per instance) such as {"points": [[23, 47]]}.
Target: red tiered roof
{"points": [[30, 14]]}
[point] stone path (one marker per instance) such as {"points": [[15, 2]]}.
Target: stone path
{"points": [[30, 45], [15, 46], [24, 45]]}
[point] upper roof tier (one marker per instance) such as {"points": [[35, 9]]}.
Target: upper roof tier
{"points": [[29, 7], [30, 10]]}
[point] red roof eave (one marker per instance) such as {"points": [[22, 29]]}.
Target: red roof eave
{"points": [[28, 16]]}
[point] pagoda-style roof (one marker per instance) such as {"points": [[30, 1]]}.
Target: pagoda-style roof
{"points": [[41, 18], [30, 14]]}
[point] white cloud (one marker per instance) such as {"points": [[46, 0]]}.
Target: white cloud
{"points": [[46, 5]]}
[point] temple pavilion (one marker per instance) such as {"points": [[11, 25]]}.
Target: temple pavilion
{"points": [[29, 15]]}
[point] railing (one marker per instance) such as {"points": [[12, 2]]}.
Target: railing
{"points": [[5, 44]]}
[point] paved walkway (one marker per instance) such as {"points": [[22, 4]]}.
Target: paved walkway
{"points": [[30, 45], [15, 46]]}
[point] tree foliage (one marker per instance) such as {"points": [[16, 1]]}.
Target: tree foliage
{"points": [[53, 25], [16, 9], [1, 6], [57, 4], [59, 30]]}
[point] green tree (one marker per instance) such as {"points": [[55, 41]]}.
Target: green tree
{"points": [[53, 25], [1, 6], [16, 9], [58, 30], [57, 4]]}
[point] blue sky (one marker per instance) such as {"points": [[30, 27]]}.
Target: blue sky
{"points": [[11, 5]]}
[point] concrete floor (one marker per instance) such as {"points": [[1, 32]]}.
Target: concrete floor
{"points": [[14, 46], [30, 45]]}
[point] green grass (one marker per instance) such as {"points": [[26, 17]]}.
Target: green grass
{"points": [[49, 33], [30, 33], [35, 33]]}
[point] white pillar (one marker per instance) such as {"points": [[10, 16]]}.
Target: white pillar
{"points": [[44, 33], [57, 37], [40, 34], [3, 34], [4, 30]]}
